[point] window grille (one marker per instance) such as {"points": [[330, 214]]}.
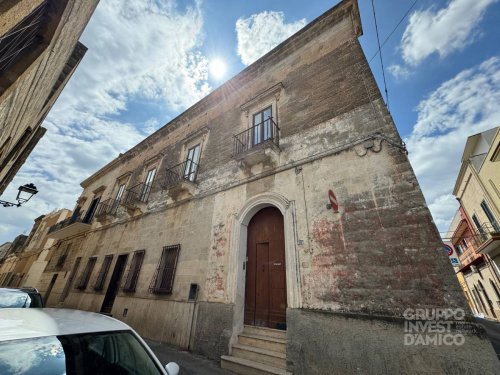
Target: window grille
{"points": [[21, 37], [103, 272], [84, 278], [133, 273], [163, 279]]}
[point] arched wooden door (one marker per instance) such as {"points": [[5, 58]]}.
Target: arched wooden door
{"points": [[265, 290]]}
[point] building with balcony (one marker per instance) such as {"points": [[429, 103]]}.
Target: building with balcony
{"points": [[220, 232], [39, 51], [477, 235], [24, 267]]}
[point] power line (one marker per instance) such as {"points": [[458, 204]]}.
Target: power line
{"points": [[381, 61], [393, 30]]}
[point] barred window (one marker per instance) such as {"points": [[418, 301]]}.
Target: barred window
{"points": [[101, 277], [163, 280], [133, 273], [84, 278]]}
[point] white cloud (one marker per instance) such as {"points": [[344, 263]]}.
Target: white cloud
{"points": [[260, 33], [443, 30], [399, 72], [138, 51], [460, 107]]}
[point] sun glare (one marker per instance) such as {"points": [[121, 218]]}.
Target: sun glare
{"points": [[217, 68]]}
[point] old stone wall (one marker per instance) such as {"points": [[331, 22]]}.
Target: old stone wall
{"points": [[378, 255], [25, 91]]}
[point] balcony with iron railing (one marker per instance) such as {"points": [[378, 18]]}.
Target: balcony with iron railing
{"points": [[258, 144], [76, 224], [107, 209], [180, 179], [136, 196], [486, 240]]}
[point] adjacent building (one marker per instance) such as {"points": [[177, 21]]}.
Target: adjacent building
{"points": [[7, 261], [279, 210], [39, 51], [24, 266], [476, 234]]}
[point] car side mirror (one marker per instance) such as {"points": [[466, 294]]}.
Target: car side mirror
{"points": [[172, 368]]}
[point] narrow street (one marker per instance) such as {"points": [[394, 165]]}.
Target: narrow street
{"points": [[493, 330], [190, 364]]}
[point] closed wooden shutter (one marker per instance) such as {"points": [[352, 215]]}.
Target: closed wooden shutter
{"points": [[101, 277], [133, 273], [84, 278]]}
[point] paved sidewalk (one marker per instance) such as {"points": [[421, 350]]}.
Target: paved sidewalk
{"points": [[191, 364]]}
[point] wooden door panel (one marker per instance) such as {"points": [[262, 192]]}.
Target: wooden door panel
{"points": [[265, 294], [262, 285]]}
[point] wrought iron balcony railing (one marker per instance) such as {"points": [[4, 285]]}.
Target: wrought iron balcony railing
{"points": [[70, 220], [267, 132], [107, 207], [136, 194], [185, 171], [484, 234]]}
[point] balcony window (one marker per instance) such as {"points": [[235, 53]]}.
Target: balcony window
{"points": [[262, 127], [91, 211], [490, 216], [148, 183], [192, 160]]}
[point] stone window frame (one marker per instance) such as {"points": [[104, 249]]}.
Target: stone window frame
{"points": [[268, 98], [150, 164], [200, 138]]}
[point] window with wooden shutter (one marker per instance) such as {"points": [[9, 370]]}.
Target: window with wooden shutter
{"points": [[70, 279], [163, 280], [133, 273], [84, 278], [101, 277]]}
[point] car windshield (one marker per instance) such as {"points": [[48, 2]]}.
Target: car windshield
{"points": [[14, 299], [108, 353]]}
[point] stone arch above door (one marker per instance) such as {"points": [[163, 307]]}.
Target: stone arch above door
{"points": [[236, 277]]}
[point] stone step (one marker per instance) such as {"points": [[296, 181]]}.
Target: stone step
{"points": [[264, 342], [267, 357], [247, 367], [264, 331]]}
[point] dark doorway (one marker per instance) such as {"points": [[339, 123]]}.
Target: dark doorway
{"points": [[49, 289], [114, 284], [265, 287]]}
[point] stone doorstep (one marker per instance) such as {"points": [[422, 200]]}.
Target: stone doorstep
{"points": [[247, 367], [263, 342], [264, 331], [264, 356]]}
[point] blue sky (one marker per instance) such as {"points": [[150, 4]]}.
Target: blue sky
{"points": [[148, 60]]}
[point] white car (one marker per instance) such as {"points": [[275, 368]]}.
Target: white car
{"points": [[62, 341]]}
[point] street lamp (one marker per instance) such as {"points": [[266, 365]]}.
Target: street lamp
{"points": [[25, 193]]}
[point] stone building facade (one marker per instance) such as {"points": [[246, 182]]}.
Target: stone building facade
{"points": [[476, 235], [39, 51], [25, 266], [278, 217]]}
